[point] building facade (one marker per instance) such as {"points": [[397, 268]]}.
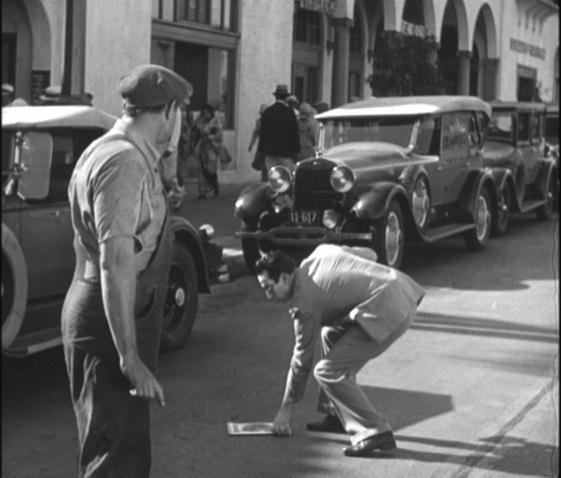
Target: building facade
{"points": [[234, 52]]}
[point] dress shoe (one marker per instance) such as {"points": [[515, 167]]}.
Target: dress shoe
{"points": [[329, 424], [383, 441]]}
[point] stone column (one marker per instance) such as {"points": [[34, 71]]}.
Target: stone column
{"points": [[490, 67], [340, 88], [463, 72]]}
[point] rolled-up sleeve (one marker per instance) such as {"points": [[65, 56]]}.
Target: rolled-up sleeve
{"points": [[306, 329], [118, 197]]}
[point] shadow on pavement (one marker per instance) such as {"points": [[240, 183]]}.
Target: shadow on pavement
{"points": [[514, 455], [454, 324]]}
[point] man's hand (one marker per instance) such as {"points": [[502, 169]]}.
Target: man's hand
{"points": [[143, 381], [281, 423]]}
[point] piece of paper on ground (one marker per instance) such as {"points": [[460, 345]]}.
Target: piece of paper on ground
{"points": [[250, 428]]}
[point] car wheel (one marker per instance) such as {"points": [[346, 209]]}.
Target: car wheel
{"points": [[476, 239], [502, 216], [545, 212], [14, 287], [390, 236], [180, 308], [420, 202], [250, 248]]}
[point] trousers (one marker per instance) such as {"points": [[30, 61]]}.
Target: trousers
{"points": [[344, 351]]}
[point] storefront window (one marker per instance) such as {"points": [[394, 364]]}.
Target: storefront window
{"points": [[215, 13]]}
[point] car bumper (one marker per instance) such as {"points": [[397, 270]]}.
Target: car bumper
{"points": [[305, 236]]}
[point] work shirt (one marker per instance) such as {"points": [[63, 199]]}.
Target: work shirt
{"points": [[339, 285], [116, 191]]}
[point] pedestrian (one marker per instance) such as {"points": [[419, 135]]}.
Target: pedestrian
{"points": [[258, 162], [308, 130], [8, 96], [293, 102], [359, 308], [208, 134], [278, 136], [112, 313], [321, 106]]}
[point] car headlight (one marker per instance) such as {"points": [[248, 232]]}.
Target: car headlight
{"points": [[342, 179], [279, 179], [331, 218]]}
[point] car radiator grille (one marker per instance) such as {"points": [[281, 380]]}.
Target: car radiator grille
{"points": [[312, 189]]}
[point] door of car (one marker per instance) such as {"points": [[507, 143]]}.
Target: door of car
{"points": [[46, 228], [459, 153], [529, 138]]}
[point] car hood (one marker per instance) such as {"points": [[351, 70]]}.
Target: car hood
{"points": [[366, 155], [497, 150]]}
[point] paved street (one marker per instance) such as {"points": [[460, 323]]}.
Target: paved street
{"points": [[471, 389]]}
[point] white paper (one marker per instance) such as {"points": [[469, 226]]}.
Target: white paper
{"points": [[250, 428]]}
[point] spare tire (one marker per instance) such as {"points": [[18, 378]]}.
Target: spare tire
{"points": [[14, 286]]}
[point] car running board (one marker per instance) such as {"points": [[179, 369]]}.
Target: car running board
{"points": [[441, 232], [34, 342], [532, 204]]}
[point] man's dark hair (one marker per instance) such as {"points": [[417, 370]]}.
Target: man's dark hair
{"points": [[274, 264]]}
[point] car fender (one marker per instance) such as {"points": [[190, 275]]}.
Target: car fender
{"points": [[186, 233], [253, 199], [475, 182], [13, 256], [548, 170], [373, 203]]}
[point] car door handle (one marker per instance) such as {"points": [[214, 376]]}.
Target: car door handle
{"points": [[439, 168]]}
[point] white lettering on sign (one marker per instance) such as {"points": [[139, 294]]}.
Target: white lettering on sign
{"points": [[527, 48], [326, 6]]}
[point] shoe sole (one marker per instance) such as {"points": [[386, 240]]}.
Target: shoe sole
{"points": [[368, 451]]}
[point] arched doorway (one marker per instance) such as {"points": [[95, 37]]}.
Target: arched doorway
{"points": [[306, 54], [16, 48], [484, 62], [448, 51], [357, 35]]}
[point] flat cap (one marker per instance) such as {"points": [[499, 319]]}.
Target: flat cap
{"points": [[153, 85]]}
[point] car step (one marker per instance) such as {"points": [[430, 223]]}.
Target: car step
{"points": [[441, 232], [34, 342], [532, 204]]}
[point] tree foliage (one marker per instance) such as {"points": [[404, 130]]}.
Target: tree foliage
{"points": [[406, 65]]}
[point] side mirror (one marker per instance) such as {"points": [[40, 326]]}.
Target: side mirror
{"points": [[35, 158]]}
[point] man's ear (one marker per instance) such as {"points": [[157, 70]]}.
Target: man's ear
{"points": [[284, 277]]}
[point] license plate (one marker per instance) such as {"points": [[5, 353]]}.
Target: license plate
{"points": [[306, 218]]}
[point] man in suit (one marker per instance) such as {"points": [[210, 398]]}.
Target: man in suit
{"points": [[278, 137], [359, 308]]}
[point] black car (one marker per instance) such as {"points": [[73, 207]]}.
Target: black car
{"points": [[515, 143], [388, 171]]}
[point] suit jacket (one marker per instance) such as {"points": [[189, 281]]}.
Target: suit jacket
{"points": [[338, 284], [279, 135]]}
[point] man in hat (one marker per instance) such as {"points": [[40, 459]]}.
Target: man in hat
{"points": [[112, 313], [8, 96], [359, 308], [278, 137]]}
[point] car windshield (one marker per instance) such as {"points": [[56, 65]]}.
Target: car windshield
{"points": [[391, 130], [500, 127]]}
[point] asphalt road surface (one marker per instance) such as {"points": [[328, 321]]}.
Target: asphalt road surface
{"points": [[471, 389]]}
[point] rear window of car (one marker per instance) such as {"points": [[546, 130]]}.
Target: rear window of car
{"points": [[501, 127]]}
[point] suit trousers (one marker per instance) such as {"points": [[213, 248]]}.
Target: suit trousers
{"points": [[345, 350]]}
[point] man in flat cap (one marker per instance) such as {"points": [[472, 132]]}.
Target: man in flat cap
{"points": [[112, 314], [279, 139]]}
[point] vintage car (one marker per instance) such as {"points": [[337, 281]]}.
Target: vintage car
{"points": [[40, 146], [515, 143], [387, 171]]}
